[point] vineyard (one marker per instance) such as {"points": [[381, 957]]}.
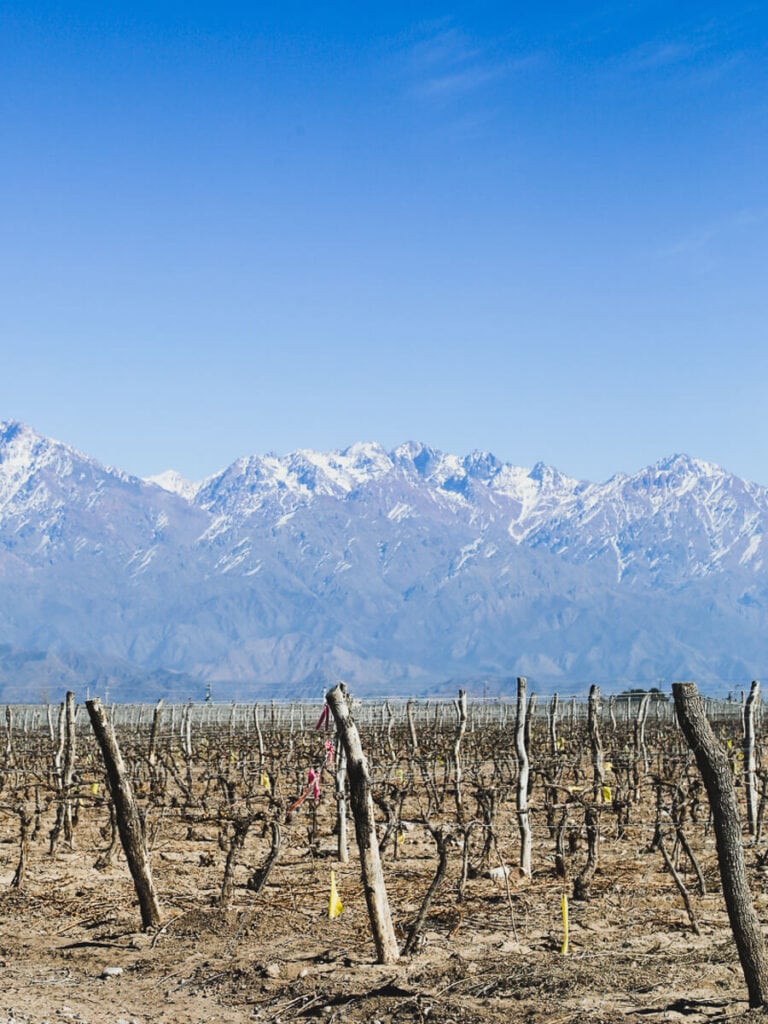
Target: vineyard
{"points": [[550, 860]]}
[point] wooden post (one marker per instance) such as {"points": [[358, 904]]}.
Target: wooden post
{"points": [[523, 772], [461, 726], [553, 723], [750, 758], [152, 752], [129, 821], [412, 729], [529, 717], [342, 850], [64, 770], [259, 737], [596, 745], [716, 774], [9, 735], [642, 717], [365, 828], [69, 766]]}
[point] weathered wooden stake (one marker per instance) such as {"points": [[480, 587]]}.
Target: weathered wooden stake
{"points": [[461, 726], [750, 756], [129, 821], [152, 751], [342, 850], [553, 723], [412, 729], [365, 828], [716, 774], [259, 736], [596, 745], [523, 772], [64, 770]]}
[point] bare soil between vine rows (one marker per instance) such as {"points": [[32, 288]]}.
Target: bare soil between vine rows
{"points": [[278, 958]]}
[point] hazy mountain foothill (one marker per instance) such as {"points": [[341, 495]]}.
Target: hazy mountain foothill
{"points": [[403, 572]]}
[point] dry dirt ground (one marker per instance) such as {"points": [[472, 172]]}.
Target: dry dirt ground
{"points": [[278, 958]]}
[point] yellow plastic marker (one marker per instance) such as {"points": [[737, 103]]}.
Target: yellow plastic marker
{"points": [[335, 906], [95, 788], [564, 909], [607, 794], [265, 782]]}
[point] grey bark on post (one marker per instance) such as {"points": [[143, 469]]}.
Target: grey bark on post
{"points": [[553, 723], [642, 718], [412, 729], [595, 743], [152, 752], [529, 717], [9, 735], [129, 823], [259, 736], [750, 757], [64, 770], [186, 731], [716, 774], [612, 712], [70, 748], [342, 850], [523, 771], [365, 828], [390, 715], [461, 727]]}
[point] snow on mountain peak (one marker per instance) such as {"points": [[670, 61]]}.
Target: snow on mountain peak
{"points": [[379, 555], [418, 455], [171, 480], [481, 464]]}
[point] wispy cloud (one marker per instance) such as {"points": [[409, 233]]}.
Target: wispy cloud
{"points": [[661, 54], [697, 54], [444, 63], [703, 246]]}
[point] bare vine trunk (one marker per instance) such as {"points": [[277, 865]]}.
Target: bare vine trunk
{"points": [[461, 727], [129, 823], [716, 773], [365, 829], [750, 756], [522, 778], [595, 742]]}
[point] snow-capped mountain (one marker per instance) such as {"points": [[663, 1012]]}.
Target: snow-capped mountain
{"points": [[394, 570]]}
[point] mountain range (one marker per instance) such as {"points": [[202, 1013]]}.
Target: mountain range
{"points": [[404, 571]]}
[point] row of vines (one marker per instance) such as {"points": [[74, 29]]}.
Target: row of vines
{"points": [[533, 787]]}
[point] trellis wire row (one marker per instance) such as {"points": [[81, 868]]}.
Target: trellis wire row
{"points": [[302, 716]]}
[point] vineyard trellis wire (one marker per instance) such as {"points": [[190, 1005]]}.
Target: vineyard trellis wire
{"points": [[301, 715]]}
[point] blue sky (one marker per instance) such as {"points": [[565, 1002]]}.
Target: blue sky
{"points": [[536, 229]]}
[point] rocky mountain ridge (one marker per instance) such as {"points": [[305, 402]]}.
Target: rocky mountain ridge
{"points": [[394, 570]]}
